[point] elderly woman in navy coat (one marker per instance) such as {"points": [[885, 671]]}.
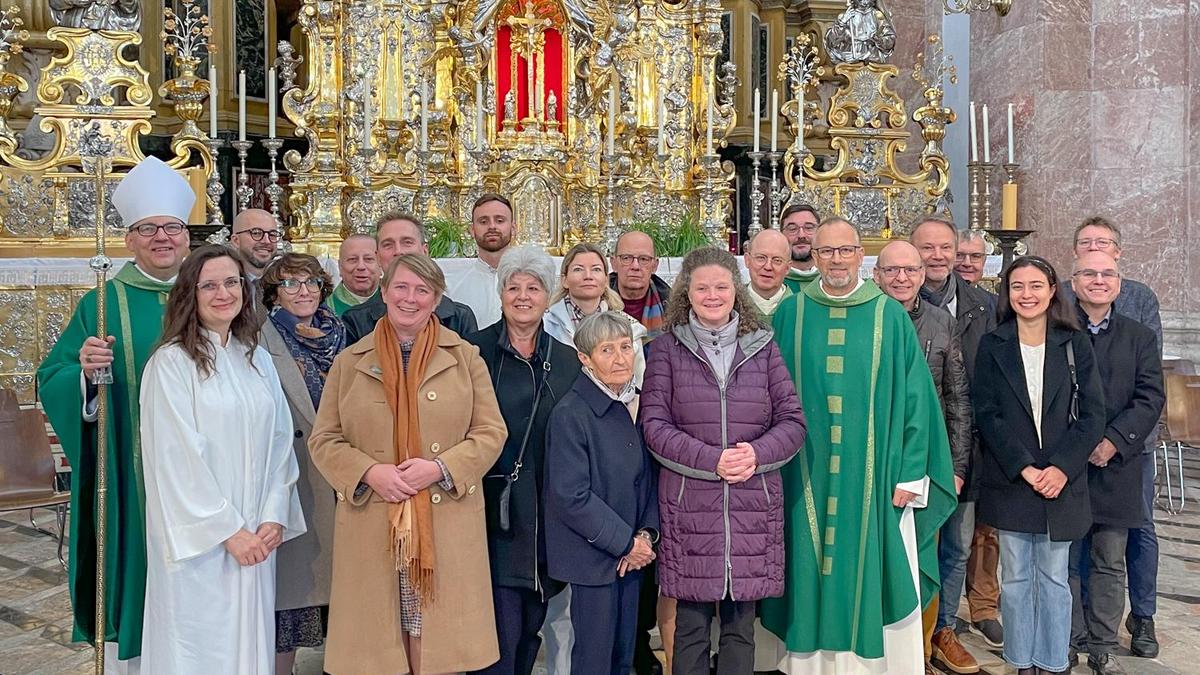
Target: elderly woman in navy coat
{"points": [[601, 508]]}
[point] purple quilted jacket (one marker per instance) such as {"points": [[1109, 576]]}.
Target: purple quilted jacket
{"points": [[719, 539]]}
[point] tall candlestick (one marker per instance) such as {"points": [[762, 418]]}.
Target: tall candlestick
{"points": [[774, 120], [987, 137], [424, 116], [367, 121], [757, 118], [710, 125], [1010, 134], [241, 105], [271, 114], [800, 113], [662, 124], [612, 117], [974, 136], [213, 101]]}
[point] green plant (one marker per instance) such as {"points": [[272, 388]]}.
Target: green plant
{"points": [[448, 238], [675, 240]]}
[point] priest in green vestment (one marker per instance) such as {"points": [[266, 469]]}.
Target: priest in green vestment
{"points": [[358, 263], [865, 500], [154, 202]]}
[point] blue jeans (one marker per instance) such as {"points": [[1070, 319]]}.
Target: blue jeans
{"points": [[954, 548], [1035, 600], [1141, 553]]}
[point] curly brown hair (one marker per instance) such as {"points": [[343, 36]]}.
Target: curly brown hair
{"points": [[679, 307], [293, 265], [181, 320]]}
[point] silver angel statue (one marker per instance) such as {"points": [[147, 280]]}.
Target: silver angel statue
{"points": [[863, 32], [97, 14]]}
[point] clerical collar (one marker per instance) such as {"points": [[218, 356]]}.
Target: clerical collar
{"points": [[809, 273], [778, 295], [821, 287], [155, 279]]}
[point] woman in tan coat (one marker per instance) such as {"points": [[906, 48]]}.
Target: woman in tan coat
{"points": [[411, 586]]}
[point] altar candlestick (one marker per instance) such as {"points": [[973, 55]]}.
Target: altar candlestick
{"points": [[242, 105], [424, 116], [987, 137], [757, 118], [271, 114], [974, 136], [212, 101], [612, 118], [662, 124], [366, 138], [1008, 206], [1010, 134], [774, 120], [710, 125], [800, 114]]}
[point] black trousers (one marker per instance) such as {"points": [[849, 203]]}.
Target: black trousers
{"points": [[604, 619], [1097, 569], [519, 616], [693, 626], [644, 659]]}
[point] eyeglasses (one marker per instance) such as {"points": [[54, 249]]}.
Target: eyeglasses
{"points": [[1101, 243], [826, 252], [148, 230], [973, 257], [627, 259], [761, 260], [292, 286], [256, 233], [229, 284], [1107, 275], [891, 271], [793, 228]]}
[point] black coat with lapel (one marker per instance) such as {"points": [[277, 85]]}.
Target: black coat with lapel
{"points": [[1010, 439]]}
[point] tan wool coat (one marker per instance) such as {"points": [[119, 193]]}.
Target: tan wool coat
{"points": [[461, 425], [305, 564]]}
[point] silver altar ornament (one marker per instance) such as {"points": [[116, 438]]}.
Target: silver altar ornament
{"points": [[862, 33]]}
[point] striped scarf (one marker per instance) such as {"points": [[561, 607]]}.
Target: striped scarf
{"points": [[652, 315]]}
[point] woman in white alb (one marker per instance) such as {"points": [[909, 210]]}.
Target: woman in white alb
{"points": [[220, 479]]}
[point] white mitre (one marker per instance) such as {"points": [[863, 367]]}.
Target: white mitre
{"points": [[153, 189]]}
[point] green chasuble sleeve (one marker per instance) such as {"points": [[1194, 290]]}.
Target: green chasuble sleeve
{"points": [[134, 317], [341, 299], [874, 422]]}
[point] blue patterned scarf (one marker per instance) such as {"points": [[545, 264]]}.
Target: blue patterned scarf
{"points": [[312, 346]]}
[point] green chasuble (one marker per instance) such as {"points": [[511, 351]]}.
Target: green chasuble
{"points": [[797, 280], [874, 422], [342, 299], [134, 315]]}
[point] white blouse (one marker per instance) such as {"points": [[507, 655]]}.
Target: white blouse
{"points": [[1034, 359]]}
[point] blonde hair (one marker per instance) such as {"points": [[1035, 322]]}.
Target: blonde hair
{"points": [[610, 296], [421, 265]]}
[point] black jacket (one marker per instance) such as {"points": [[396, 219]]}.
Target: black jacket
{"points": [[518, 556], [600, 486], [1010, 439], [361, 319], [1127, 355], [940, 343]]}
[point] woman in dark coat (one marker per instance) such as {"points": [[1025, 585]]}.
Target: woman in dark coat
{"points": [[601, 515], [1037, 433], [531, 372], [721, 415]]}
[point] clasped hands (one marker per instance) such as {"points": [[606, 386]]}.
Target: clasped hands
{"points": [[250, 548], [639, 556], [397, 482], [1047, 482], [737, 464]]}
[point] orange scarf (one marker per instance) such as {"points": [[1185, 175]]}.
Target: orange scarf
{"points": [[411, 519]]}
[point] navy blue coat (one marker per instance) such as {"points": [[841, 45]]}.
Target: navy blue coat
{"points": [[600, 486]]}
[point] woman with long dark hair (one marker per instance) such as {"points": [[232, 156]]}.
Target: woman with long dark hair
{"points": [[220, 478], [1040, 410]]}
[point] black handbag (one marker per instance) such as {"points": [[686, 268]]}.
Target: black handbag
{"points": [[505, 521], [1073, 416]]}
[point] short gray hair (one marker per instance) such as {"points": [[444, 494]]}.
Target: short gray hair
{"points": [[602, 327], [531, 260], [968, 234]]}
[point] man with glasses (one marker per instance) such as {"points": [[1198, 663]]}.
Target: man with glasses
{"points": [[1138, 302], [964, 549], [1131, 368], [645, 294], [154, 203], [972, 254], [256, 236], [798, 223], [901, 274], [767, 260], [874, 482]]}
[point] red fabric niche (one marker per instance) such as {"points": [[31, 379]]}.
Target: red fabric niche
{"points": [[553, 74]]}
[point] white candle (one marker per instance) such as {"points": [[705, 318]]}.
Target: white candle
{"points": [[1010, 134], [974, 136], [479, 110], [242, 105], [987, 137], [212, 102], [757, 118], [612, 118], [710, 125], [424, 116], [800, 114], [662, 124], [774, 120], [271, 114], [367, 121]]}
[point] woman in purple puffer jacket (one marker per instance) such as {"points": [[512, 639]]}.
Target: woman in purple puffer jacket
{"points": [[720, 413]]}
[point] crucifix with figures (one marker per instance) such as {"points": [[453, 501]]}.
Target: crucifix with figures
{"points": [[529, 42]]}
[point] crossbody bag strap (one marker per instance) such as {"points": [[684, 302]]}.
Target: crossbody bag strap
{"points": [[1074, 381]]}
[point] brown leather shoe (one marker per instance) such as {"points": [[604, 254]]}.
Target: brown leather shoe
{"points": [[955, 657]]}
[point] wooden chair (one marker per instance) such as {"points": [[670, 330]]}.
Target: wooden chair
{"points": [[27, 477], [1182, 427]]}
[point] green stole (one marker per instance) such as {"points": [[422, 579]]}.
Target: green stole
{"points": [[797, 281], [135, 306], [874, 421], [342, 299]]}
